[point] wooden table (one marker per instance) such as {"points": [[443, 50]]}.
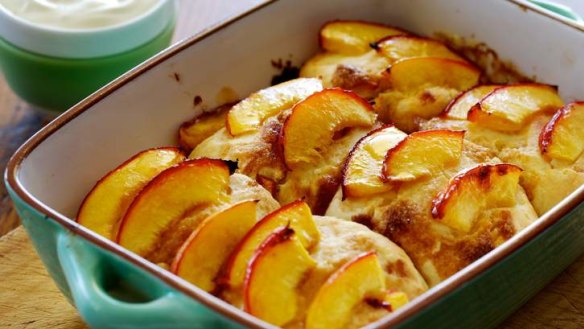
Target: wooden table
{"points": [[29, 299]]}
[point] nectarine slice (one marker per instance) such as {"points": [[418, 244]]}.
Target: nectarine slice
{"points": [[563, 136], [459, 107], [362, 168], [408, 46], [507, 108], [201, 256], [250, 113], [485, 186], [296, 215], [353, 37], [312, 125], [273, 276], [106, 203], [193, 132], [169, 197], [422, 154], [353, 283], [415, 73]]}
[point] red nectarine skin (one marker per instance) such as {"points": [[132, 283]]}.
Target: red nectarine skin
{"points": [[211, 243], [187, 244], [163, 176], [223, 279], [458, 97], [480, 173], [472, 113], [281, 234], [454, 101], [352, 153], [168, 148], [390, 154], [545, 137], [350, 263], [471, 116], [376, 303]]}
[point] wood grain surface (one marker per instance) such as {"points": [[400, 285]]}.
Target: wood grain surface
{"points": [[29, 299]]}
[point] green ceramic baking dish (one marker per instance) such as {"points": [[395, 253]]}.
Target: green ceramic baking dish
{"points": [[112, 288]]}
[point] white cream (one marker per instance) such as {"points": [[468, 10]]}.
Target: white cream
{"points": [[78, 14]]}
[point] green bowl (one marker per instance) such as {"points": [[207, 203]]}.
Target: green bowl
{"points": [[55, 84]]}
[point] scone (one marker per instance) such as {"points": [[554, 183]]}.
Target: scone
{"points": [[369, 275], [546, 179], [486, 204], [341, 241], [297, 153], [408, 78]]}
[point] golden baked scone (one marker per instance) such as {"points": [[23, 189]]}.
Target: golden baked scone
{"points": [[419, 88], [546, 180], [410, 78], [361, 73], [256, 152], [341, 241], [437, 249], [298, 151], [289, 266], [349, 58], [404, 213]]}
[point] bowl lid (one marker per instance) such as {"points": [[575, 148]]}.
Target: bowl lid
{"points": [[87, 43]]}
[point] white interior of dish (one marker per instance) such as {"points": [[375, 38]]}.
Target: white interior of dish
{"points": [[147, 111]]}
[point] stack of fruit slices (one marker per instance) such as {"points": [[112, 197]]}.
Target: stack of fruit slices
{"points": [[409, 78], [384, 128], [445, 200], [528, 125], [287, 267], [294, 150]]}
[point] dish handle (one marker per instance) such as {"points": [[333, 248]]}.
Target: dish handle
{"points": [[109, 292]]}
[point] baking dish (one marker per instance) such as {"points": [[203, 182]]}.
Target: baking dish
{"points": [[111, 287]]}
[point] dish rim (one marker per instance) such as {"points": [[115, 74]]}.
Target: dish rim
{"points": [[419, 303]]}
